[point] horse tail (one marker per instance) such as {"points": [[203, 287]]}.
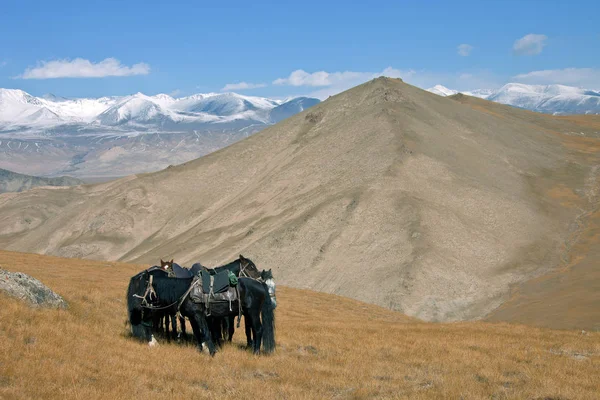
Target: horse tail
{"points": [[268, 322]]}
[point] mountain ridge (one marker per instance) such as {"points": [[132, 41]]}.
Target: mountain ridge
{"points": [[14, 182]]}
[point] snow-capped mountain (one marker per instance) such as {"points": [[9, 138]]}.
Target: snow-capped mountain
{"points": [[551, 99], [481, 93], [291, 107], [442, 91], [116, 136], [21, 111]]}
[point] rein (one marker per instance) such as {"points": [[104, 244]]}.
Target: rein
{"points": [[160, 308], [150, 290]]}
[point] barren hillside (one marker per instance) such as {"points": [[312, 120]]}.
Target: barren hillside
{"points": [[386, 193]]}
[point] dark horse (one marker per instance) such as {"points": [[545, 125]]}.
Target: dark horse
{"points": [[243, 267], [223, 328], [258, 311], [152, 290], [174, 270]]}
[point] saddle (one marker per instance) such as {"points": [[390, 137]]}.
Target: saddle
{"points": [[215, 292]]}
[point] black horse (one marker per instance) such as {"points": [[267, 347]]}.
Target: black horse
{"points": [[153, 290], [258, 310], [243, 267], [223, 328]]}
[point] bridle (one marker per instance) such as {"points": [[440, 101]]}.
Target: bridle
{"points": [[149, 291], [243, 267]]}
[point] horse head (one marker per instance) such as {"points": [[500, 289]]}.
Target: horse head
{"points": [[166, 265], [267, 277], [248, 266], [137, 314]]}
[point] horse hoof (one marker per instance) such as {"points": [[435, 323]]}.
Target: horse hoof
{"points": [[153, 342]]}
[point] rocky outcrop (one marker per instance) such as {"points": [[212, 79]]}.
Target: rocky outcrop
{"points": [[29, 289]]}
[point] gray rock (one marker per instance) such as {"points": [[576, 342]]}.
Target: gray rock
{"points": [[30, 290]]}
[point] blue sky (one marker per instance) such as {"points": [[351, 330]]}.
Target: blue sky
{"points": [[75, 48]]}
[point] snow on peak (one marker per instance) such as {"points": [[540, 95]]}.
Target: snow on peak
{"points": [[18, 108], [552, 99], [442, 91]]}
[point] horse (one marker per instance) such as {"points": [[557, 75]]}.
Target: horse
{"points": [[258, 311], [152, 290], [224, 328], [177, 271], [241, 267]]}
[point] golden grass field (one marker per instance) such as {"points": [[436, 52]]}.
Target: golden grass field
{"points": [[328, 347]]}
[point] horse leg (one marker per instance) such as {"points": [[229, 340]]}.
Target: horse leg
{"points": [[183, 334], [174, 326], [231, 327], [248, 327], [197, 333], [256, 329], [215, 330], [167, 327], [199, 327], [157, 322]]}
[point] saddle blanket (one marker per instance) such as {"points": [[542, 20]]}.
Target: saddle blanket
{"points": [[221, 290]]}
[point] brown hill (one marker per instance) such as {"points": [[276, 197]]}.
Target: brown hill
{"points": [[385, 193]]}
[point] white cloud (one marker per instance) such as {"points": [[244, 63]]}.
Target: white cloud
{"points": [[81, 68], [584, 77], [464, 49], [331, 83], [335, 82], [242, 86], [322, 78], [530, 45], [302, 78]]}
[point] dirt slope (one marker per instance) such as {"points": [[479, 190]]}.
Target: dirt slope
{"points": [[433, 206]]}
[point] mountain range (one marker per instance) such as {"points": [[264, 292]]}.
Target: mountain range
{"points": [[117, 136], [549, 99], [20, 111]]}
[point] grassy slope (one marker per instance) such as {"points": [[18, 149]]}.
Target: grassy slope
{"points": [[329, 347]]}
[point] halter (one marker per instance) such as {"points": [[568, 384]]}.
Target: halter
{"points": [[149, 290], [243, 269]]}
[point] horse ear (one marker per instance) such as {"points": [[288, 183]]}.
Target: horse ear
{"points": [[171, 261], [161, 261], [242, 257]]}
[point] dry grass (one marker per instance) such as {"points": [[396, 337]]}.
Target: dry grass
{"points": [[329, 347]]}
